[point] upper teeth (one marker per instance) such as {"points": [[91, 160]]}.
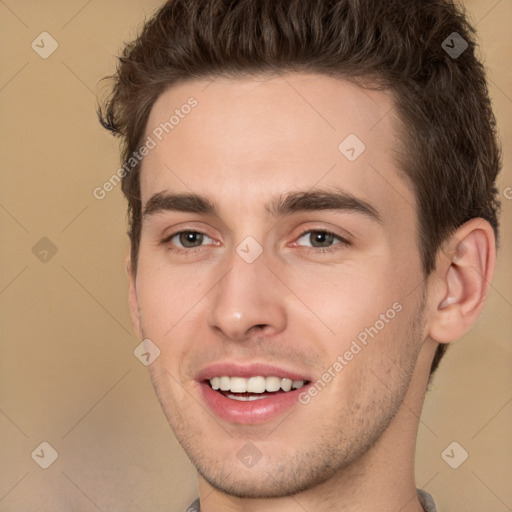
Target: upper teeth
{"points": [[254, 384]]}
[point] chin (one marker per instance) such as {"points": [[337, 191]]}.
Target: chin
{"points": [[266, 480], [260, 486]]}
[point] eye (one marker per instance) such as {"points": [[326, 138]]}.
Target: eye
{"points": [[188, 239], [320, 239]]}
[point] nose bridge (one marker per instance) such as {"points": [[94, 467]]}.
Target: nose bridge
{"points": [[247, 296]]}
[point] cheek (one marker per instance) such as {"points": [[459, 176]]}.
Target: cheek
{"points": [[348, 299], [368, 316], [164, 298], [172, 311], [160, 281], [375, 373]]}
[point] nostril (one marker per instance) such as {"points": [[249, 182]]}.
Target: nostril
{"points": [[259, 328]]}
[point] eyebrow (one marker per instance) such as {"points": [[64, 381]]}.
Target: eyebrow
{"points": [[285, 204]]}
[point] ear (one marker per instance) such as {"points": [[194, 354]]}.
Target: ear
{"points": [[461, 280], [133, 301]]}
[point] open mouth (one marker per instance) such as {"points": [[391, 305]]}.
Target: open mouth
{"points": [[250, 394], [253, 388]]}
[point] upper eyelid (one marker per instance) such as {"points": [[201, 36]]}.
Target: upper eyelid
{"points": [[342, 238], [319, 230], [168, 238], [187, 227], [339, 232]]}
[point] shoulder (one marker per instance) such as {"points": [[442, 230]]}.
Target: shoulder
{"points": [[426, 500], [194, 507]]}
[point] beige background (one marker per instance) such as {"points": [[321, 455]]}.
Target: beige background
{"points": [[68, 373]]}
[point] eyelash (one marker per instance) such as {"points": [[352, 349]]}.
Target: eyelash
{"points": [[333, 248], [337, 247], [181, 250]]}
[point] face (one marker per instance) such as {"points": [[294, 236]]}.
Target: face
{"points": [[277, 253]]}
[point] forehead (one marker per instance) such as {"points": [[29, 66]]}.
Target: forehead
{"points": [[246, 138]]}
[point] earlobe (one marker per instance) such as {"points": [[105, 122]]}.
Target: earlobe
{"points": [[133, 301], [463, 280]]}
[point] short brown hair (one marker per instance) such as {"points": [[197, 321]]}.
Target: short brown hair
{"points": [[451, 156]]}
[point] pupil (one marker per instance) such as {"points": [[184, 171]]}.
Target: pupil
{"points": [[190, 239], [323, 239]]}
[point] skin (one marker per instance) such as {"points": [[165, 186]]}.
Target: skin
{"points": [[297, 306]]}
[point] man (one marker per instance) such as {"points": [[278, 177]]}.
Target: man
{"points": [[312, 206]]}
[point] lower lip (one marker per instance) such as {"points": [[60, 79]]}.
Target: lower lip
{"points": [[250, 412]]}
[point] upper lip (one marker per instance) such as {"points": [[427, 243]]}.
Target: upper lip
{"points": [[232, 369]]}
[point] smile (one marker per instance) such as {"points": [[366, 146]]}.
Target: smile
{"points": [[253, 388], [249, 394]]}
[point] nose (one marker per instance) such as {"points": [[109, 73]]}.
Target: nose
{"points": [[249, 300]]}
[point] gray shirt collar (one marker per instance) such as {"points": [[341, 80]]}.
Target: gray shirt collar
{"points": [[426, 500]]}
